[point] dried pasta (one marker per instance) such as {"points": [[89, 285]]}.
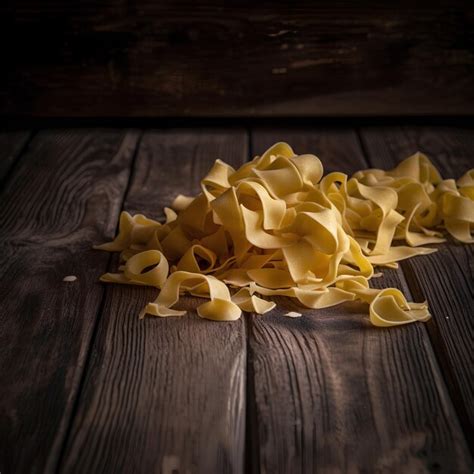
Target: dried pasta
{"points": [[277, 226]]}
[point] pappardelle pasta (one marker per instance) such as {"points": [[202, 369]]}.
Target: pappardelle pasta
{"points": [[277, 226]]}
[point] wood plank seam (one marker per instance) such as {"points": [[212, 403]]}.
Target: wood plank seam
{"points": [[63, 196], [77, 399], [396, 403], [16, 160], [251, 446], [251, 418], [363, 148], [450, 149], [413, 292], [437, 332], [442, 358], [170, 418], [431, 330]]}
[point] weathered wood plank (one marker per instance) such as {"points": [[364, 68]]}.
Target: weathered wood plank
{"points": [[445, 278], [164, 393], [334, 394], [61, 192], [200, 59], [64, 194], [11, 145], [450, 148]]}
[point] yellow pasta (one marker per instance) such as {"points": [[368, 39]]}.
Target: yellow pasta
{"points": [[276, 226]]}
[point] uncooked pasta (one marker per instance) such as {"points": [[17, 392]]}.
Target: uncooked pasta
{"points": [[277, 226]]}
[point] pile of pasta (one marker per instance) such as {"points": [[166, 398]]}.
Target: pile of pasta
{"points": [[276, 226]]}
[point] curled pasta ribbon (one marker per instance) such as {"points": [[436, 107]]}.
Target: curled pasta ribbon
{"points": [[251, 303], [137, 270], [387, 307], [219, 308], [277, 227], [134, 230]]}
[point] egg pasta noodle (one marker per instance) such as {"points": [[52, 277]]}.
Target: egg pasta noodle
{"points": [[277, 226]]}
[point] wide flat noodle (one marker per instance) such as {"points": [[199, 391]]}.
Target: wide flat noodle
{"points": [[277, 227]]}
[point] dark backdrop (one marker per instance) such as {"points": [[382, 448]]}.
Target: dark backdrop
{"points": [[145, 58]]}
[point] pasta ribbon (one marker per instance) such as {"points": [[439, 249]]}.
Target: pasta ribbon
{"points": [[277, 227]]}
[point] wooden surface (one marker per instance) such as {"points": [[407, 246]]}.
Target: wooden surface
{"points": [[452, 327], [387, 395], [178, 384], [87, 387], [11, 145], [149, 59], [58, 201]]}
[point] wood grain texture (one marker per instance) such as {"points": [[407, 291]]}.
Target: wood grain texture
{"points": [[63, 195], [164, 393], [185, 59], [11, 145], [335, 394], [67, 188], [444, 278]]}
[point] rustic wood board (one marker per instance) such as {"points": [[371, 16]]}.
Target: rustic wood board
{"points": [[202, 59], [326, 391], [164, 393], [444, 278], [334, 394], [64, 194], [11, 145]]}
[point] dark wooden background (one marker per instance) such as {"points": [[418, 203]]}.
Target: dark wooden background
{"points": [[123, 58]]}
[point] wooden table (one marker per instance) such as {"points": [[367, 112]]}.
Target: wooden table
{"points": [[87, 387]]}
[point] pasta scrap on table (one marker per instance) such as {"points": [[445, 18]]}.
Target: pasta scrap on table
{"points": [[277, 226], [70, 278]]}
